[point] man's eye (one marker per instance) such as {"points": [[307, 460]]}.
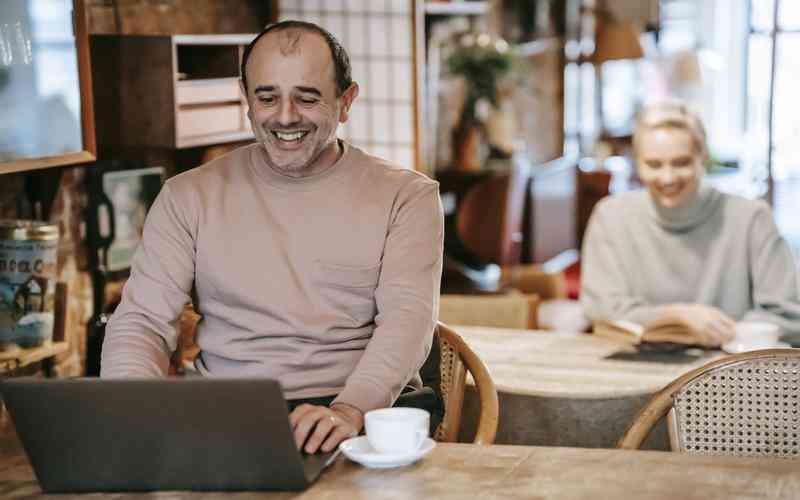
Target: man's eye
{"points": [[653, 164], [308, 100], [266, 99]]}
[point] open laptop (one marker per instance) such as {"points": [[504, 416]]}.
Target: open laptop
{"points": [[88, 434]]}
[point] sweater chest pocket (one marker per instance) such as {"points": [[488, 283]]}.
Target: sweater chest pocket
{"points": [[349, 290]]}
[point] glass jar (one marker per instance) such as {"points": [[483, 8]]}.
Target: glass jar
{"points": [[28, 252]]}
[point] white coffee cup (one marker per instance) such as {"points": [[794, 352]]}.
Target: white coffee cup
{"points": [[757, 333], [396, 430]]}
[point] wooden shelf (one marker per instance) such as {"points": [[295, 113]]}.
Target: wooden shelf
{"points": [[188, 97], [457, 8], [25, 357], [230, 39], [205, 140]]}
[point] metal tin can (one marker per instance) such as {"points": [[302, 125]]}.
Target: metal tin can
{"points": [[28, 251]]}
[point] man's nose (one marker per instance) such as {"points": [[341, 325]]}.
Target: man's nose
{"points": [[288, 113]]}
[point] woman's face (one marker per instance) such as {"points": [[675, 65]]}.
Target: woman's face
{"points": [[669, 166]]}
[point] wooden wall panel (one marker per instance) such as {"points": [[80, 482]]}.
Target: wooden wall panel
{"points": [[166, 17]]}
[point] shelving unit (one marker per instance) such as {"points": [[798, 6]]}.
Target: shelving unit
{"points": [[23, 357], [209, 106], [457, 8], [173, 92]]}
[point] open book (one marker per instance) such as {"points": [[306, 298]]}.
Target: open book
{"points": [[663, 331]]}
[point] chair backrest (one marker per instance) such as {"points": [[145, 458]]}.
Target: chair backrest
{"points": [[745, 405], [533, 279], [512, 310], [456, 359], [592, 186], [484, 224]]}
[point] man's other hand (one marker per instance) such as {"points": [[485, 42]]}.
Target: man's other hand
{"points": [[323, 428]]}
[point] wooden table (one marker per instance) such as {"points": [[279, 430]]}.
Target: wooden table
{"points": [[457, 471], [558, 389]]}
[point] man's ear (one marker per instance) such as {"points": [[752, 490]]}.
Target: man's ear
{"points": [[348, 97], [242, 89], [244, 93]]}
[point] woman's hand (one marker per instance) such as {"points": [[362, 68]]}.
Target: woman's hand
{"points": [[711, 325]]}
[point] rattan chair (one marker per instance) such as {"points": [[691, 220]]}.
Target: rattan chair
{"points": [[535, 279], [455, 360], [745, 405]]}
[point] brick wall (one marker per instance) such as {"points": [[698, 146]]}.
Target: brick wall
{"points": [[66, 212], [165, 17]]}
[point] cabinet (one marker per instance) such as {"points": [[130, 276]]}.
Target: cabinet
{"points": [[14, 360], [171, 91]]}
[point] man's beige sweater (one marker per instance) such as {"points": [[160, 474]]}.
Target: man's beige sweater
{"points": [[329, 283]]}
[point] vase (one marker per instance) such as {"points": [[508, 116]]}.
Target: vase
{"points": [[469, 148]]}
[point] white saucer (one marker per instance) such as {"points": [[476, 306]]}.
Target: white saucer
{"points": [[359, 450], [735, 346]]}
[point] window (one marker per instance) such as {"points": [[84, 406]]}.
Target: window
{"points": [[703, 46], [781, 100], [378, 37], [718, 54]]}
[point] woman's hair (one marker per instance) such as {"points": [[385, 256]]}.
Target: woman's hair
{"points": [[671, 114]]}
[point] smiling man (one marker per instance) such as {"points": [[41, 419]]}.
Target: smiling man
{"points": [[297, 96], [313, 262]]}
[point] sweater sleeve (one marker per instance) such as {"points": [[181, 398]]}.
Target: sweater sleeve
{"points": [[407, 299], [142, 331], [605, 288], [773, 275]]}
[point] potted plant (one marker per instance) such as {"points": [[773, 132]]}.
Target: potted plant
{"points": [[481, 60]]}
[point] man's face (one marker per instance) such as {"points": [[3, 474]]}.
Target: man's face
{"points": [[669, 166], [294, 110]]}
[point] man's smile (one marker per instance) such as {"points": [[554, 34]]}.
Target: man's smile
{"points": [[290, 136], [289, 139]]}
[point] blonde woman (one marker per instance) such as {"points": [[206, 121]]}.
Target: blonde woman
{"points": [[682, 248]]}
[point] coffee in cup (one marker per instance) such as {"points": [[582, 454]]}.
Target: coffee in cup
{"points": [[396, 430]]}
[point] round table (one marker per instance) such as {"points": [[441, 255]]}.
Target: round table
{"points": [[560, 389]]}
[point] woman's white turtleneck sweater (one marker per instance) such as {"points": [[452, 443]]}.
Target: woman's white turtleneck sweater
{"points": [[719, 250]]}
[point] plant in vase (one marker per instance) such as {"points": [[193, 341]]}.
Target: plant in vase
{"points": [[481, 60]]}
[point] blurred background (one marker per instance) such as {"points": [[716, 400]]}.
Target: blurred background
{"points": [[523, 110]]}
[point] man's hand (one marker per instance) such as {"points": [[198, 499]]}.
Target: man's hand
{"points": [[713, 326], [323, 428]]}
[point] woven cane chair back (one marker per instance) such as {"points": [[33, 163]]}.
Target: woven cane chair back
{"points": [[747, 408], [743, 405], [456, 359]]}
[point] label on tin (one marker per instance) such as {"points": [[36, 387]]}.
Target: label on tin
{"points": [[27, 291]]}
